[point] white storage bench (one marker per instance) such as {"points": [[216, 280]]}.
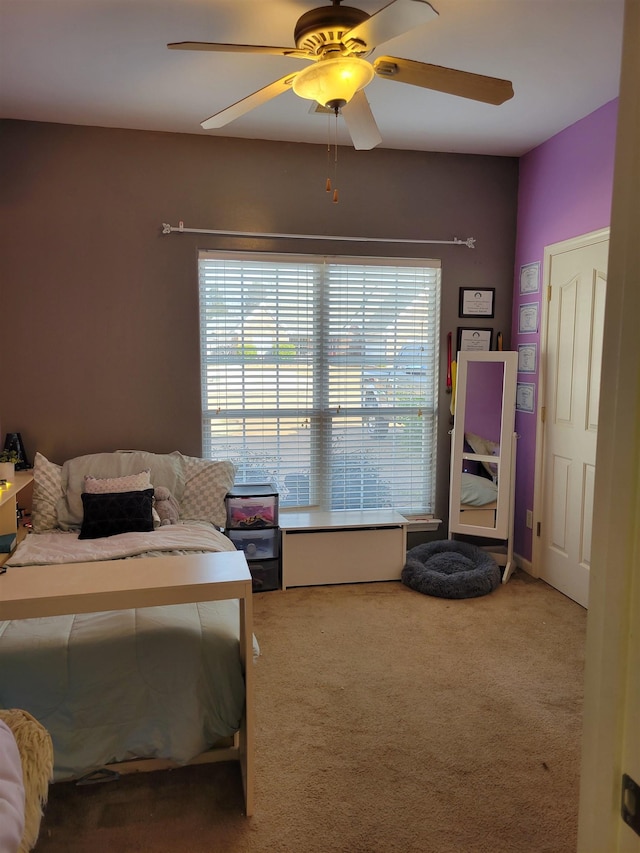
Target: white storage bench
{"points": [[342, 547]]}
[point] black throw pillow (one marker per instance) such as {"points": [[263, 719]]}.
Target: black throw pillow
{"points": [[116, 512]]}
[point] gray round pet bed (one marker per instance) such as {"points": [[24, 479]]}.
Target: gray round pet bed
{"points": [[450, 569]]}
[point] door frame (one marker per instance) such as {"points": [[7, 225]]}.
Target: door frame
{"points": [[579, 242]]}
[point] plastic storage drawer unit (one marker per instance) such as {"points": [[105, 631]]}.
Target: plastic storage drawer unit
{"points": [[257, 544], [252, 526], [265, 575], [251, 512]]}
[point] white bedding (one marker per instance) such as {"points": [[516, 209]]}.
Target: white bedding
{"points": [[40, 549]]}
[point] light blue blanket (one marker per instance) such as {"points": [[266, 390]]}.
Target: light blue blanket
{"points": [[156, 682]]}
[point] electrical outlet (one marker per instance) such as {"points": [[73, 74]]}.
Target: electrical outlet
{"points": [[530, 519]]}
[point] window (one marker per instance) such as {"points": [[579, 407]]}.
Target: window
{"points": [[321, 374]]}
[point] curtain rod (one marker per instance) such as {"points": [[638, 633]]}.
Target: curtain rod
{"points": [[168, 229]]}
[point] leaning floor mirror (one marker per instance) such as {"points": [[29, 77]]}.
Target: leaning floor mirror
{"points": [[483, 451]]}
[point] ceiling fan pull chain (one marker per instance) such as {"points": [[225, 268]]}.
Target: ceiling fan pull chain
{"points": [[335, 158], [328, 184]]}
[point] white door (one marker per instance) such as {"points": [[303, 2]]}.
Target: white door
{"points": [[611, 735], [571, 359]]}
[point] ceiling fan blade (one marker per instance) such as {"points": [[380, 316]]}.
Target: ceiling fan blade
{"points": [[395, 19], [360, 122], [239, 48], [249, 103], [477, 87]]}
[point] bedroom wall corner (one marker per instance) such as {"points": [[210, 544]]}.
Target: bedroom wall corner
{"points": [[525, 565]]}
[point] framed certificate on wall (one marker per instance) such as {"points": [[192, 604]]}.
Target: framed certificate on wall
{"points": [[528, 317], [530, 278], [474, 339], [525, 397], [527, 358], [476, 302]]}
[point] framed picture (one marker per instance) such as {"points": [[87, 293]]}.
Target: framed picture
{"points": [[474, 339], [530, 278], [527, 358], [528, 317], [476, 302], [525, 397]]}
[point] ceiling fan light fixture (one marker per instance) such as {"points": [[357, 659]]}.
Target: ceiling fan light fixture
{"points": [[333, 82]]}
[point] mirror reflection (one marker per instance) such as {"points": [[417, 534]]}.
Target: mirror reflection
{"points": [[481, 447]]}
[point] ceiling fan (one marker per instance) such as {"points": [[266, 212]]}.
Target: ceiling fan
{"points": [[336, 39]]}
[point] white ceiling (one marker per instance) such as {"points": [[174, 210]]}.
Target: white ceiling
{"points": [[105, 63]]}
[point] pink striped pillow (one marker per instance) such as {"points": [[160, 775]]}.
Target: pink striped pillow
{"points": [[109, 485]]}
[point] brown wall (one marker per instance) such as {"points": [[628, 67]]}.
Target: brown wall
{"points": [[100, 346]]}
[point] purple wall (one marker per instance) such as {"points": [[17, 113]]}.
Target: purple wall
{"points": [[565, 191]]}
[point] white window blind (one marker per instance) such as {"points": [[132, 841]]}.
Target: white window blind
{"points": [[321, 374]]}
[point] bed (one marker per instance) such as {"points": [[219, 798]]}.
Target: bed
{"points": [[162, 683]]}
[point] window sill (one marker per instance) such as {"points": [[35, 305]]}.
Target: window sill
{"points": [[417, 523]]}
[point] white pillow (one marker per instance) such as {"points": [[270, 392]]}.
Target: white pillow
{"points": [[166, 470], [477, 491]]}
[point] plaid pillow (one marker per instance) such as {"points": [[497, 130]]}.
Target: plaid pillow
{"points": [[206, 486], [47, 488]]}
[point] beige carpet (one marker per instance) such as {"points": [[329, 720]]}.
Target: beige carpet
{"points": [[386, 721]]}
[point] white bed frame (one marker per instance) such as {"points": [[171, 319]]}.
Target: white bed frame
{"points": [[29, 592]]}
